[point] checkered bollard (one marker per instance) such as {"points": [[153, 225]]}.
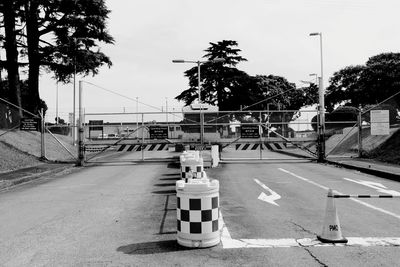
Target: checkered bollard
{"points": [[198, 213], [192, 167]]}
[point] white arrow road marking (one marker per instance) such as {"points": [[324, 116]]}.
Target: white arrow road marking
{"points": [[270, 198], [379, 187]]}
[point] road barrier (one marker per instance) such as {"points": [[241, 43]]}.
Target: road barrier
{"points": [[198, 213], [192, 166], [145, 147], [331, 230], [365, 196], [266, 146], [127, 148]]}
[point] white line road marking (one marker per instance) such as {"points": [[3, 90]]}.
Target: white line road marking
{"points": [[337, 192], [268, 198], [304, 179], [379, 187], [228, 242]]}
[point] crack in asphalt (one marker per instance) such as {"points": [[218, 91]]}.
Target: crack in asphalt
{"points": [[305, 248], [302, 228], [313, 256]]}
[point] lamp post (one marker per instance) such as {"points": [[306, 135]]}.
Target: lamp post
{"points": [[199, 63], [57, 105], [74, 129], [321, 93], [74, 97]]}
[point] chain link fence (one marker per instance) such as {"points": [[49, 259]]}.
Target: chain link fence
{"points": [[27, 138], [238, 133], [359, 132]]}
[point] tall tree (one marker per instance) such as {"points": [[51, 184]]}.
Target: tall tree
{"points": [[75, 28], [277, 93], [9, 9], [219, 79]]}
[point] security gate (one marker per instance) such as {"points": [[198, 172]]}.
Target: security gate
{"points": [[248, 134], [239, 134]]}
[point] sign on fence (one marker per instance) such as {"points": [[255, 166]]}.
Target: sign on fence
{"points": [[379, 122], [30, 124], [249, 131], [158, 132], [96, 125]]}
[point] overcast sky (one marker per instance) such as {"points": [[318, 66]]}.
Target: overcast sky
{"points": [[272, 34]]}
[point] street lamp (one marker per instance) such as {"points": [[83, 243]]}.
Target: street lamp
{"points": [[198, 62], [321, 135], [74, 88]]}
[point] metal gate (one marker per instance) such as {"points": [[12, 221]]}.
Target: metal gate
{"points": [[248, 134], [251, 135]]}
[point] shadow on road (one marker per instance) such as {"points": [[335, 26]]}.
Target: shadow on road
{"points": [[152, 247], [165, 192], [168, 184]]}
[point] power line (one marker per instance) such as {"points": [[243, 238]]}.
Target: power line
{"points": [[121, 95]]}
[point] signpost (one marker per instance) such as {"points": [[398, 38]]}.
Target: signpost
{"points": [[158, 132], [30, 124], [380, 122], [249, 131], [95, 125]]}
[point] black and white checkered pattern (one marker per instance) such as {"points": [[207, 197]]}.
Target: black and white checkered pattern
{"points": [[196, 170], [197, 215]]}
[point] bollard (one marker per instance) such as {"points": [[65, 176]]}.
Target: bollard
{"points": [[198, 213], [192, 163]]}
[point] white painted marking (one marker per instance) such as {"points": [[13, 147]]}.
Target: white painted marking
{"points": [[379, 187], [313, 242], [304, 179], [226, 239], [268, 198], [339, 193], [228, 242]]}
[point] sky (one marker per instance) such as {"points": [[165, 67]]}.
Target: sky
{"points": [[272, 34]]}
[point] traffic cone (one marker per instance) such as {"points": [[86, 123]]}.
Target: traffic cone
{"points": [[331, 231]]}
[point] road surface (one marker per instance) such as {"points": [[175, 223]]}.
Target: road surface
{"points": [[123, 213]]}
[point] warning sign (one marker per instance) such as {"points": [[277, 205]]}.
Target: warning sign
{"points": [[30, 124], [249, 131], [158, 132], [379, 122], [95, 125]]}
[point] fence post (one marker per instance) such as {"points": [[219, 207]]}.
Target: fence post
{"points": [[260, 132], [81, 146], [360, 148], [42, 139], [142, 136]]}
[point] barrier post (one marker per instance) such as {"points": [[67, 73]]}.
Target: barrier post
{"points": [[192, 166], [42, 136], [360, 148], [142, 146], [198, 213], [81, 145]]}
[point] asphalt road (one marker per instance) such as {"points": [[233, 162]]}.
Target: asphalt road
{"points": [[124, 214]]}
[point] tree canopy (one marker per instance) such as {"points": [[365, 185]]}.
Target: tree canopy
{"points": [[220, 80], [371, 83], [232, 89], [58, 36]]}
